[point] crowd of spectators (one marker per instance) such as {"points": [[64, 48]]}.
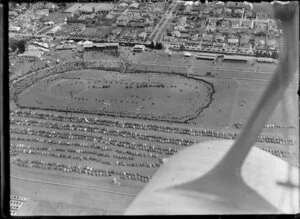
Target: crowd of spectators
{"points": [[20, 83]]}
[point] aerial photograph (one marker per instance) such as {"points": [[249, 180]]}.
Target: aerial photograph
{"points": [[105, 94]]}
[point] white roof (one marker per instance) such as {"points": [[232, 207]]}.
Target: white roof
{"points": [[187, 54], [55, 29], [189, 3], [134, 5], [139, 46], [123, 4], [87, 42]]}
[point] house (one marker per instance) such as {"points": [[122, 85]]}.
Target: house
{"points": [[195, 37], [14, 29], [230, 4], [176, 33], [245, 40], [245, 48], [13, 14], [138, 48], [33, 53], [249, 15], [211, 28], [180, 28], [272, 43], [219, 38], [272, 25], [143, 35], [227, 12], [123, 20], [261, 43], [247, 24], [42, 12], [207, 37], [123, 5], [238, 12], [225, 24], [116, 31], [182, 21], [134, 5], [50, 23], [184, 35], [261, 15], [235, 24], [219, 45], [260, 26], [218, 12], [54, 30], [233, 40]]}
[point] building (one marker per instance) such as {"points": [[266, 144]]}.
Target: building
{"points": [[235, 58], [245, 39], [227, 12], [134, 5], [101, 46], [143, 35], [272, 43], [219, 45], [233, 40], [261, 26], [238, 12], [176, 33], [33, 53], [246, 24], [207, 37], [249, 15], [139, 48], [123, 20], [50, 23], [206, 56], [42, 12], [261, 15], [235, 24], [14, 29], [272, 25], [123, 5], [219, 38], [66, 47], [13, 14], [187, 54]]}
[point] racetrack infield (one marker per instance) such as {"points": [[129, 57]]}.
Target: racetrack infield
{"points": [[148, 96]]}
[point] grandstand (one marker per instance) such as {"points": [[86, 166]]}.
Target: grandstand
{"points": [[237, 58], [209, 56]]}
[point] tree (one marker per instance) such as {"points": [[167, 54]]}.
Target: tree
{"points": [[159, 45], [152, 46]]}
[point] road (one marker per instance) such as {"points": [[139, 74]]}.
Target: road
{"points": [[72, 186], [167, 16]]}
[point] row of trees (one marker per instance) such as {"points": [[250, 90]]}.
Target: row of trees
{"points": [[267, 54], [157, 45]]}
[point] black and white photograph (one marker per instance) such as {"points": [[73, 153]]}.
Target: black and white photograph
{"points": [[152, 107]]}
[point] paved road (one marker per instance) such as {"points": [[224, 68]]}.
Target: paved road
{"points": [[166, 17], [73, 186]]}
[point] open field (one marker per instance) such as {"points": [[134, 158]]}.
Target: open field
{"points": [[154, 96]]}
